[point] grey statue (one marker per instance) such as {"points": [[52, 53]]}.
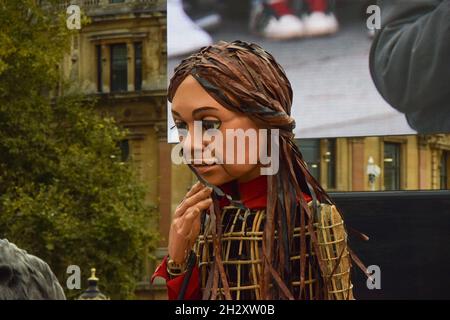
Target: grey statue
{"points": [[25, 277]]}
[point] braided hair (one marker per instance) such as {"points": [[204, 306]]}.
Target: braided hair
{"points": [[246, 79]]}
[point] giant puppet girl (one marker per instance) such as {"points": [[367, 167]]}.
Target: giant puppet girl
{"points": [[240, 234]]}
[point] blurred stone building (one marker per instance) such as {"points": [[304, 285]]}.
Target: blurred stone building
{"points": [[120, 57], [411, 162], [405, 162]]}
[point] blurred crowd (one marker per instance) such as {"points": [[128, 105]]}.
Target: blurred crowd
{"points": [[190, 20]]}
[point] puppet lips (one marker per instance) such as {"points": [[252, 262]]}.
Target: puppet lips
{"points": [[204, 162], [204, 168]]}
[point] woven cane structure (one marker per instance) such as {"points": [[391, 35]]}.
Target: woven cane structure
{"points": [[241, 256]]}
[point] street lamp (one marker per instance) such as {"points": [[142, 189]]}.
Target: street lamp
{"points": [[92, 292]]}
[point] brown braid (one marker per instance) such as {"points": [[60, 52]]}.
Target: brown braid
{"points": [[246, 79]]}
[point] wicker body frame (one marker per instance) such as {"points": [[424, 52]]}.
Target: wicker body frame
{"points": [[241, 256]]}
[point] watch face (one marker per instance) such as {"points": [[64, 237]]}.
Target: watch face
{"points": [[176, 266], [174, 269]]}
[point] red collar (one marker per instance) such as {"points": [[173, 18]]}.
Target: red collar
{"points": [[253, 193]]}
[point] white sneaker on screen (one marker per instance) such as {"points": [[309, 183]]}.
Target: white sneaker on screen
{"points": [[275, 21], [319, 24]]}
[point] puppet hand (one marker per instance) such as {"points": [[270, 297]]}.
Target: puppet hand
{"points": [[185, 226]]}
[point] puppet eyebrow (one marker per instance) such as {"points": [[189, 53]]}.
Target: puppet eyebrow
{"points": [[201, 109], [196, 111], [176, 114]]}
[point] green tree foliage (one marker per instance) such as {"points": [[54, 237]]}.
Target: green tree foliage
{"points": [[65, 194]]}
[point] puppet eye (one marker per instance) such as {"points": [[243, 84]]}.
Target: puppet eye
{"points": [[180, 124], [211, 124]]}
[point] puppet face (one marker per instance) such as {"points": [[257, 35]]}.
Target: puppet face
{"points": [[192, 104]]}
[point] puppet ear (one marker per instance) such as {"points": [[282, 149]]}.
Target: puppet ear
{"points": [[6, 274]]}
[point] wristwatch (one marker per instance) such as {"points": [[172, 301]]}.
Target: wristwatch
{"points": [[175, 269]]}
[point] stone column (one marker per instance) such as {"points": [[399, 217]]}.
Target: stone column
{"points": [[424, 167], [130, 68], [358, 165], [164, 182]]}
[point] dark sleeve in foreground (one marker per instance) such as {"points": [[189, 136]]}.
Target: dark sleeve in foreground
{"points": [[410, 61]]}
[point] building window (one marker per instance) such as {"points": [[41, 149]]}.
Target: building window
{"points": [[138, 66], [98, 49], [118, 80], [330, 159], [391, 166], [310, 149], [119, 72], [124, 146], [445, 161]]}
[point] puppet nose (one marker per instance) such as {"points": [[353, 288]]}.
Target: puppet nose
{"points": [[193, 147]]}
